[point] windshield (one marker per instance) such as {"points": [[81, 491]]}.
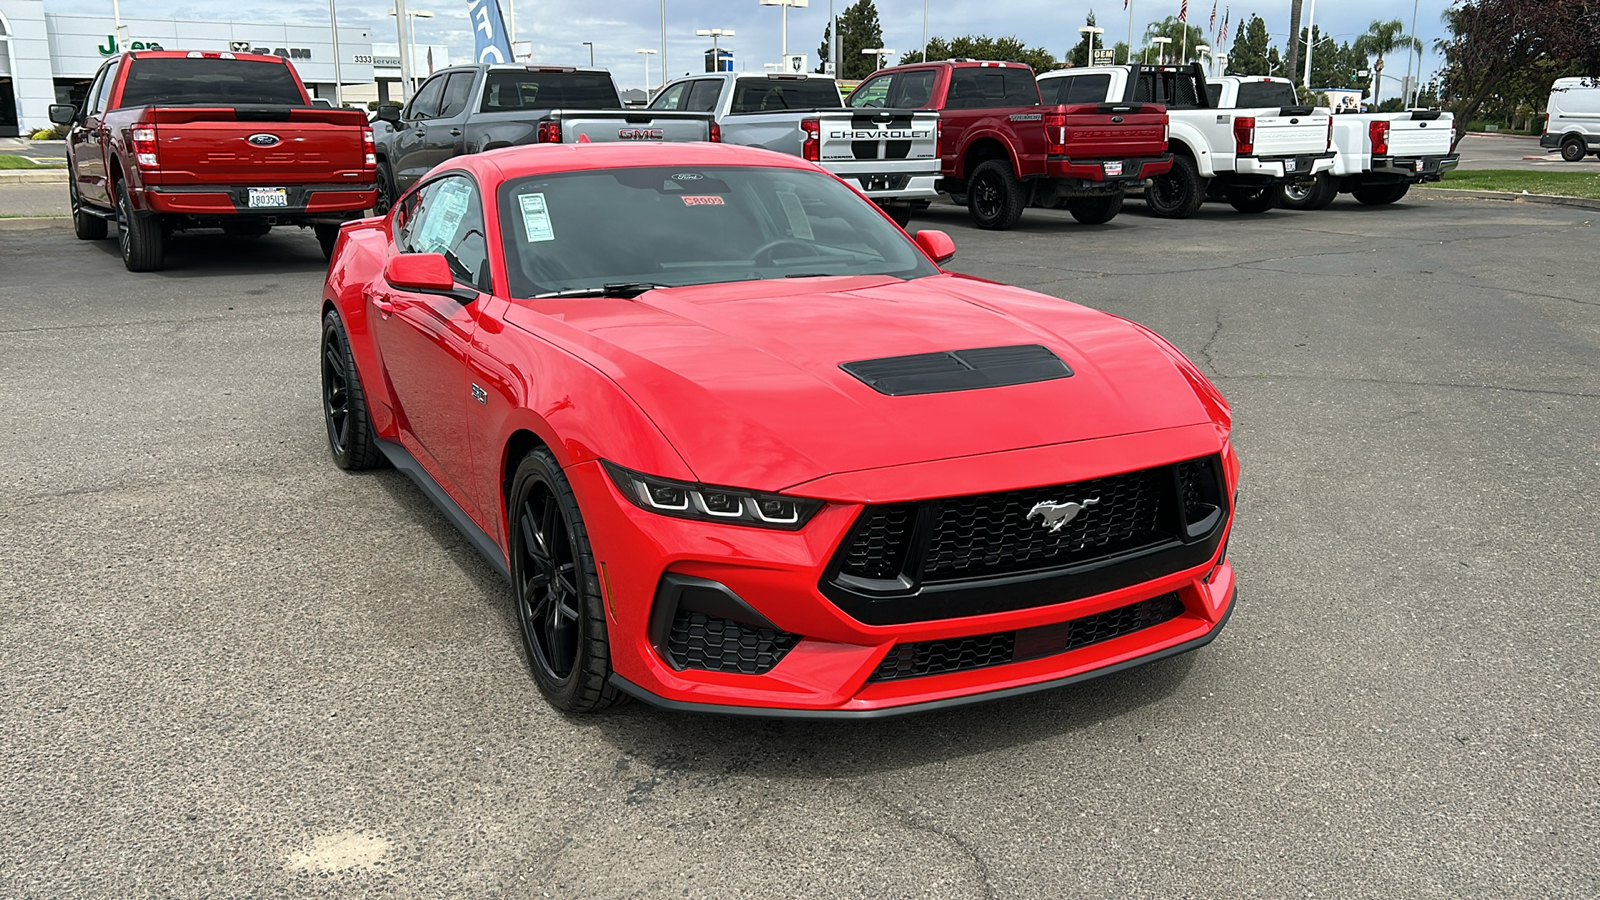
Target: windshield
{"points": [[209, 82], [1253, 94], [548, 90], [680, 225]]}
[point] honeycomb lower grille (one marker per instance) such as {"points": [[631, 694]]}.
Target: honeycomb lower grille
{"points": [[962, 654], [699, 641]]}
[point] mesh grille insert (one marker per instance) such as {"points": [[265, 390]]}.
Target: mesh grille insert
{"points": [[699, 641]]}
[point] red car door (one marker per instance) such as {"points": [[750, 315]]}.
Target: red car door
{"points": [[86, 141], [425, 338]]}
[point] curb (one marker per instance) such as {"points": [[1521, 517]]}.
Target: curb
{"points": [[1505, 196], [34, 223], [27, 176]]}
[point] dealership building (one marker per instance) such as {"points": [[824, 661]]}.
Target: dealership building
{"points": [[50, 58]]}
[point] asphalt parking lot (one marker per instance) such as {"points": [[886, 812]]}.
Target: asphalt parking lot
{"points": [[234, 670]]}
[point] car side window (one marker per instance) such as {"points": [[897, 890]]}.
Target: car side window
{"points": [[912, 90], [873, 94], [672, 97], [1020, 88], [703, 95], [446, 216], [425, 105], [457, 91], [1086, 89], [102, 91], [92, 95]]}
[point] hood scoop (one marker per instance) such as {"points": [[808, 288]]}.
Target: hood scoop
{"points": [[959, 370]]}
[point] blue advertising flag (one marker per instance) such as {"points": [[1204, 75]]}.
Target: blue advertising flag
{"points": [[489, 32]]}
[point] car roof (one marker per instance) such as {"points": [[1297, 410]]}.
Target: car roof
{"points": [[538, 159]]}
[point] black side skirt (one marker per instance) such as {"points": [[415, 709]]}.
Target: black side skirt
{"points": [[629, 687], [402, 459]]}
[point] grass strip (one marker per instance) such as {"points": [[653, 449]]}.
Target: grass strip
{"points": [[1555, 184], [13, 161]]}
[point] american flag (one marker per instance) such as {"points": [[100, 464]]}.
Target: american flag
{"points": [[1224, 39], [1183, 12], [1213, 26]]}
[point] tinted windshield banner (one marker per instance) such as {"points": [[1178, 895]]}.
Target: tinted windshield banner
{"points": [[489, 32]]}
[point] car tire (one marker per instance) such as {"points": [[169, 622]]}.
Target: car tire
{"points": [[387, 194], [1380, 194], [958, 199], [995, 197], [1574, 149], [86, 226], [1095, 210], [1309, 197], [900, 213], [557, 590], [142, 241], [327, 237], [1179, 193], [1253, 200], [351, 438]]}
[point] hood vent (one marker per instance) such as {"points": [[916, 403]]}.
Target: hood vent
{"points": [[959, 370]]}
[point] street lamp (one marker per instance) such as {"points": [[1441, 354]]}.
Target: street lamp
{"points": [[408, 45], [1091, 31], [878, 53], [1202, 49], [338, 76], [590, 45], [786, 4], [1161, 54], [646, 57], [714, 33]]}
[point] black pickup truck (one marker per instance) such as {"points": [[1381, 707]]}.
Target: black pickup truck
{"points": [[469, 109]]}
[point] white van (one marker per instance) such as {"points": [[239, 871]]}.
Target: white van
{"points": [[1572, 120]]}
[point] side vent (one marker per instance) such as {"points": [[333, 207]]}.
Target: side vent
{"points": [[959, 370]]}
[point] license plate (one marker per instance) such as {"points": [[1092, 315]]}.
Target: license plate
{"points": [[1421, 163], [1113, 168], [1290, 165], [260, 197]]}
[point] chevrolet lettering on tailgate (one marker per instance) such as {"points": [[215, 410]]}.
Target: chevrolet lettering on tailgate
{"points": [[885, 135]]}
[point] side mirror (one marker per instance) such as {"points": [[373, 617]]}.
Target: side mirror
{"points": [[389, 113], [425, 273], [63, 113], [937, 245]]}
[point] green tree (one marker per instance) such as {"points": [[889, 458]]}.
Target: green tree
{"points": [[978, 46], [1383, 38], [824, 48], [1174, 28], [1332, 65], [1251, 49], [858, 29], [1079, 55]]}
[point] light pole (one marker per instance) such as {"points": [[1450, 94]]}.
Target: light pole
{"points": [[714, 33], [1161, 53], [647, 53], [1204, 50], [1091, 31], [1311, 16], [1417, 81], [400, 20], [408, 45], [338, 76], [925, 30], [590, 45], [786, 4], [878, 53], [1221, 60]]}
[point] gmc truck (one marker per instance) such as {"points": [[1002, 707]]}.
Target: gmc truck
{"points": [[890, 155], [168, 141], [1002, 149], [1243, 156], [470, 109], [1377, 157]]}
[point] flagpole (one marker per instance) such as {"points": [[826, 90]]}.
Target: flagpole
{"points": [[1129, 5], [1185, 20]]}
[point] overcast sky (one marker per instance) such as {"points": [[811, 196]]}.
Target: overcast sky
{"points": [[558, 28]]}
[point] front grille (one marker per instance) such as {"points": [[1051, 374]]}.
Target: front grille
{"points": [[881, 542], [962, 654], [699, 641]]}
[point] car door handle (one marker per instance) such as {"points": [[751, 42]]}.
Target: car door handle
{"points": [[385, 307], [455, 132]]}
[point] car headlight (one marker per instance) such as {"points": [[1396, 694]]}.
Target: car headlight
{"points": [[707, 503]]}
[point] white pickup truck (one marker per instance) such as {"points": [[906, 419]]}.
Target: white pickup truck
{"points": [[1376, 156], [1244, 156], [892, 155]]}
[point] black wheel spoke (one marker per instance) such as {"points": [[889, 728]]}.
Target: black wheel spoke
{"points": [[548, 584]]}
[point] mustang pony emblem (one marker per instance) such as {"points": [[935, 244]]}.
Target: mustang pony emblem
{"points": [[1056, 515]]}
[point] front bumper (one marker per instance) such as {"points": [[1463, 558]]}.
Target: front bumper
{"points": [[1415, 169], [1281, 168], [828, 670], [303, 200]]}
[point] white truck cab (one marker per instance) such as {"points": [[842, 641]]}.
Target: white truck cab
{"points": [[1572, 118]]}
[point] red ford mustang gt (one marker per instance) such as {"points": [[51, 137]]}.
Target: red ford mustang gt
{"points": [[739, 445]]}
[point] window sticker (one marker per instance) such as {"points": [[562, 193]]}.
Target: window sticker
{"points": [[795, 211], [442, 217], [536, 218], [708, 200]]}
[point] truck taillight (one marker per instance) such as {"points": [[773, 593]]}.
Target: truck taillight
{"points": [[369, 149], [1244, 135], [549, 132], [716, 133], [1330, 133], [1546, 128], [1055, 133], [144, 146], [938, 138], [811, 145], [1379, 132]]}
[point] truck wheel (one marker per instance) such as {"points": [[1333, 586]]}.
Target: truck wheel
{"points": [[386, 191], [1380, 194], [327, 236], [143, 245], [995, 196], [1573, 149], [1254, 200], [900, 213], [1308, 197], [1095, 210], [1177, 194], [87, 227]]}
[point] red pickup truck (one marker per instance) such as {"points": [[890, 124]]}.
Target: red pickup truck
{"points": [[172, 140], [1002, 150]]}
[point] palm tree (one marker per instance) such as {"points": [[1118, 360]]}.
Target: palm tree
{"points": [[1384, 38], [1294, 39]]}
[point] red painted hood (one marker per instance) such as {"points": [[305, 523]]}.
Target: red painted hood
{"points": [[744, 379]]}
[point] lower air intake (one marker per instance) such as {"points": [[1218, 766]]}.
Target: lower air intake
{"points": [[699, 641]]}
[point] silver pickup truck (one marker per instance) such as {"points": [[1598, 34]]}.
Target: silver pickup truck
{"points": [[891, 155], [469, 109]]}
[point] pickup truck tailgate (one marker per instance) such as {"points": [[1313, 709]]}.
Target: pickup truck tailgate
{"points": [[1290, 135], [285, 145], [868, 134], [1108, 130], [610, 126], [1419, 137]]}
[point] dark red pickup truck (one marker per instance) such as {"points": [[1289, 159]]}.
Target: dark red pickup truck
{"points": [[169, 140], [1003, 150]]}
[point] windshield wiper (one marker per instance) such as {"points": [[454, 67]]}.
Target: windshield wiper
{"points": [[619, 289]]}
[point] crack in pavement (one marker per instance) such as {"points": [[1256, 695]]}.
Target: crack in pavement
{"points": [[912, 821]]}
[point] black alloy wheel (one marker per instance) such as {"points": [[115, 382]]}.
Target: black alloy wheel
{"points": [[1177, 194], [140, 237], [1254, 200], [1573, 149], [86, 226], [995, 197], [557, 589], [344, 405], [386, 191]]}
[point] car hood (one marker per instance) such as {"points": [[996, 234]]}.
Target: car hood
{"points": [[745, 380]]}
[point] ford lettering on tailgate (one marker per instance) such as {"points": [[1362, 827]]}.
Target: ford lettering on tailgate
{"points": [[641, 134]]}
